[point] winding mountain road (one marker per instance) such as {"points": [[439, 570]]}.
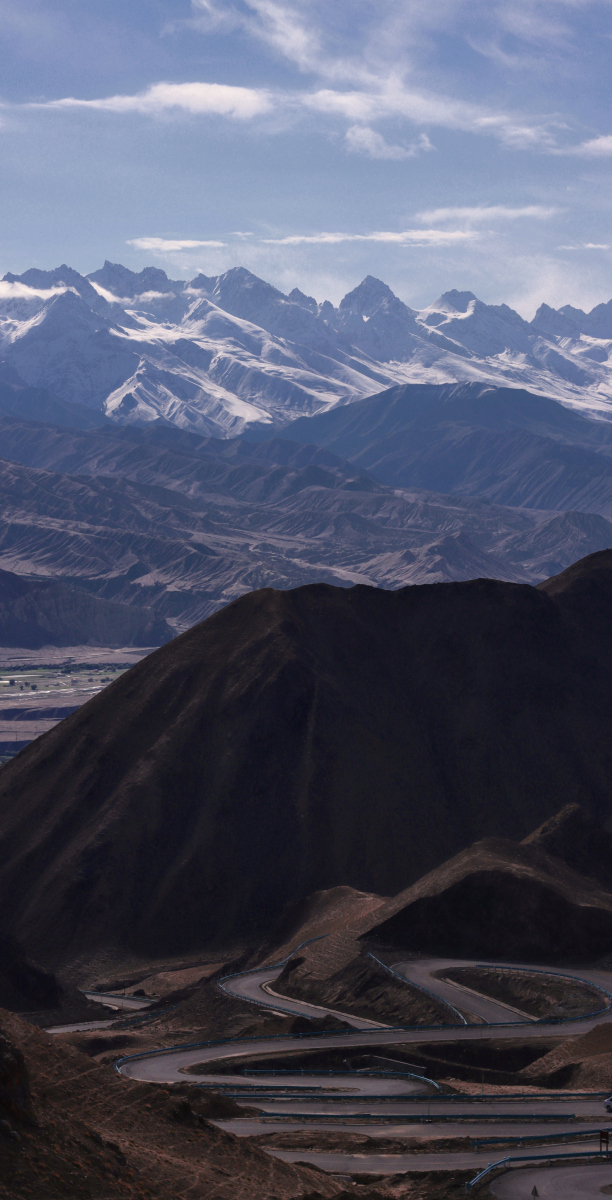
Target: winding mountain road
{"points": [[117, 1000], [383, 1105], [255, 985], [425, 975]]}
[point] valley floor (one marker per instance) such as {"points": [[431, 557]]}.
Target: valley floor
{"points": [[38, 688]]}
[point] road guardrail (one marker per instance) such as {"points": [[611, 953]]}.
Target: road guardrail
{"points": [[505, 1162]]}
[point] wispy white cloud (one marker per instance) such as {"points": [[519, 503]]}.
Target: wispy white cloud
{"points": [[408, 237], [588, 246], [360, 107], [527, 24], [208, 17], [169, 245], [380, 47], [599, 147], [20, 291], [360, 139], [110, 296], [488, 212], [363, 65], [287, 32], [194, 98], [128, 301], [429, 109]]}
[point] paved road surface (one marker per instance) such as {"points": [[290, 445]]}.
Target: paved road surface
{"points": [[113, 1000], [80, 1027], [554, 1183], [252, 986], [384, 1096], [408, 1126], [170, 1066], [386, 1164], [422, 973], [109, 1000]]}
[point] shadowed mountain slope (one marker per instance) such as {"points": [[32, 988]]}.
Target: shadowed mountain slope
{"points": [[86, 1132], [505, 901], [24, 987], [43, 612], [506, 444], [301, 740], [538, 899], [37, 404], [579, 841]]}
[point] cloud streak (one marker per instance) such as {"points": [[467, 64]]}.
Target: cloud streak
{"points": [[588, 246], [169, 245], [20, 291], [488, 212], [420, 108], [360, 139], [364, 71], [599, 147], [408, 237], [197, 99], [360, 107]]}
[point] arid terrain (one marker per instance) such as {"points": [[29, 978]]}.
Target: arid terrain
{"points": [[299, 740], [211, 897], [305, 600], [40, 688], [72, 1126]]}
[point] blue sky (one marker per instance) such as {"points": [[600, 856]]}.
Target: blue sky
{"points": [[461, 143]]}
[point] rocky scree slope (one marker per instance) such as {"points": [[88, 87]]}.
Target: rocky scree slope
{"points": [[300, 740], [76, 1128]]}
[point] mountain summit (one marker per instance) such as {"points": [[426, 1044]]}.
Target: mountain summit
{"points": [[303, 739], [223, 354]]}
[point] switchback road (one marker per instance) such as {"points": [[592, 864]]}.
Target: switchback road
{"points": [[380, 1104]]}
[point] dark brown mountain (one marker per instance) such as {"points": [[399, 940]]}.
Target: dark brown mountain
{"points": [[300, 740], [24, 987], [45, 612], [573, 836], [504, 900]]}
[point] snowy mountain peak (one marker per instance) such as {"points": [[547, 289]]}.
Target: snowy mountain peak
{"points": [[600, 321], [571, 322], [453, 302], [577, 314], [63, 276], [119, 280], [203, 283], [555, 323], [238, 282], [221, 353], [367, 297], [298, 297], [326, 310]]}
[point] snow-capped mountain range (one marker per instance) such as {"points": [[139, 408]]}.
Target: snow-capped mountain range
{"points": [[227, 354]]}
